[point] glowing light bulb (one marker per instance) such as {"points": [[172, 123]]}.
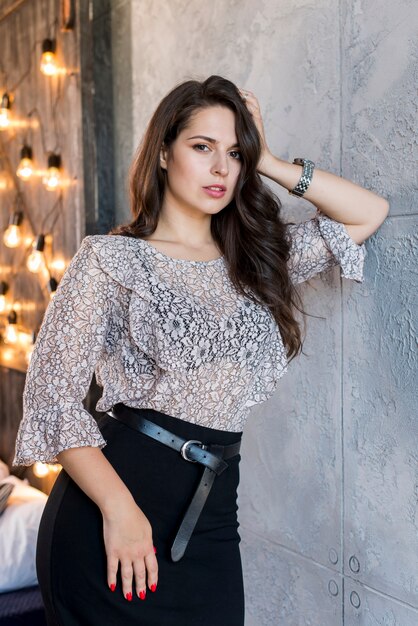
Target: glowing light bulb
{"points": [[40, 469], [4, 181], [35, 261], [52, 177], [36, 258], [4, 288], [49, 65], [10, 334], [12, 236], [28, 355], [25, 168], [5, 112]]}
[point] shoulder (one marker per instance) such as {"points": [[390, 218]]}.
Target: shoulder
{"points": [[120, 257]]}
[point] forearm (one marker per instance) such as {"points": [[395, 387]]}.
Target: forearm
{"points": [[337, 197], [93, 473]]}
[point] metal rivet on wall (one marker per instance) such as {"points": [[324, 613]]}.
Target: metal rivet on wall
{"points": [[355, 599], [333, 587], [333, 556], [354, 564]]}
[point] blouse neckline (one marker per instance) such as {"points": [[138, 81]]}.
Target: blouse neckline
{"points": [[166, 257]]}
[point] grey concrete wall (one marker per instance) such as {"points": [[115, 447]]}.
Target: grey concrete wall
{"points": [[329, 477]]}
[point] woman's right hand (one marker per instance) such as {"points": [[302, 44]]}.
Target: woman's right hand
{"points": [[128, 540]]}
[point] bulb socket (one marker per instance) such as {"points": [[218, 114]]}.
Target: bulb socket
{"points": [[48, 45], [12, 317], [54, 160], [39, 243], [16, 218], [4, 288], [52, 284], [5, 101], [26, 152]]}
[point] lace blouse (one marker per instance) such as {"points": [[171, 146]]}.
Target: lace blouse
{"points": [[169, 334]]}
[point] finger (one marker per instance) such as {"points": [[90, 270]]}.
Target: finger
{"points": [[152, 571], [112, 570], [139, 573], [126, 574], [247, 94]]}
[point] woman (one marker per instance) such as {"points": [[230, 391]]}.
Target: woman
{"points": [[187, 316]]}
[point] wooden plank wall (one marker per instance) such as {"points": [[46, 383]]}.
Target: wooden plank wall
{"points": [[59, 116]]}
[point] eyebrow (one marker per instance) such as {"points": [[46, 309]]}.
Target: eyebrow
{"points": [[236, 145]]}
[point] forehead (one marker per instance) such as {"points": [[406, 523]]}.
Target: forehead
{"points": [[216, 121]]}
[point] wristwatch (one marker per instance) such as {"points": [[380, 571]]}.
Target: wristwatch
{"points": [[306, 177]]}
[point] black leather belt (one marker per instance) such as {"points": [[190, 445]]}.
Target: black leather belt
{"points": [[209, 455]]}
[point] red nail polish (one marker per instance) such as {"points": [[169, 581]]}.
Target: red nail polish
{"points": [[112, 587], [153, 586], [155, 550], [129, 596], [142, 595]]}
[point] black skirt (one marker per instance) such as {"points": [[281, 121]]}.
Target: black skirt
{"points": [[203, 588]]}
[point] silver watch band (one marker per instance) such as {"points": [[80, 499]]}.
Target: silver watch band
{"points": [[306, 177]]}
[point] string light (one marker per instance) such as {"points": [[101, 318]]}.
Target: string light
{"points": [[36, 258], [5, 105], [29, 350], [20, 340], [49, 65], [52, 287], [4, 288], [10, 334], [25, 167], [52, 177], [12, 236]]}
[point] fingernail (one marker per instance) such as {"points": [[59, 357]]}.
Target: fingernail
{"points": [[129, 596], [142, 595], [112, 587], [153, 586], [155, 550]]}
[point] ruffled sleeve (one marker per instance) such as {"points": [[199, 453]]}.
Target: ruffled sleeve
{"points": [[67, 348], [321, 243]]}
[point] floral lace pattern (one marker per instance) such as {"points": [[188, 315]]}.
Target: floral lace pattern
{"points": [[169, 334]]}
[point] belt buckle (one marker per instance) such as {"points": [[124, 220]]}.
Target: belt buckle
{"points": [[183, 449]]}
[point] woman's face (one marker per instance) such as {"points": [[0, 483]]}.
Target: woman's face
{"points": [[204, 155]]}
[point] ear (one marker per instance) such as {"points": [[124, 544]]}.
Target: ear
{"points": [[163, 157]]}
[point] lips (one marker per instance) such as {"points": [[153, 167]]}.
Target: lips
{"points": [[216, 187]]}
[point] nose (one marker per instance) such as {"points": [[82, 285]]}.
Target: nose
{"points": [[220, 166]]}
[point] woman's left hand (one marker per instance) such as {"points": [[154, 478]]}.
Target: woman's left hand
{"points": [[254, 108]]}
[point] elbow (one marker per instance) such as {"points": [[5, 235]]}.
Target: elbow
{"points": [[385, 207]]}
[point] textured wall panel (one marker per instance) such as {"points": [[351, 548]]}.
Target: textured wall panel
{"points": [[379, 98], [291, 472], [283, 589], [337, 83], [365, 607], [380, 407]]}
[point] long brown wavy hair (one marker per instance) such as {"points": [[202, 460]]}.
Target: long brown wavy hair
{"points": [[249, 231]]}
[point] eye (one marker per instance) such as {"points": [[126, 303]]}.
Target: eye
{"points": [[198, 147], [237, 154]]}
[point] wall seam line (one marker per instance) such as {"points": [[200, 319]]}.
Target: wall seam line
{"points": [[342, 498]]}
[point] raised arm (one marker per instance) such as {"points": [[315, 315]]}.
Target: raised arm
{"points": [[361, 211]]}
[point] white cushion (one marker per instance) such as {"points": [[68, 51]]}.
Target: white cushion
{"points": [[19, 525]]}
